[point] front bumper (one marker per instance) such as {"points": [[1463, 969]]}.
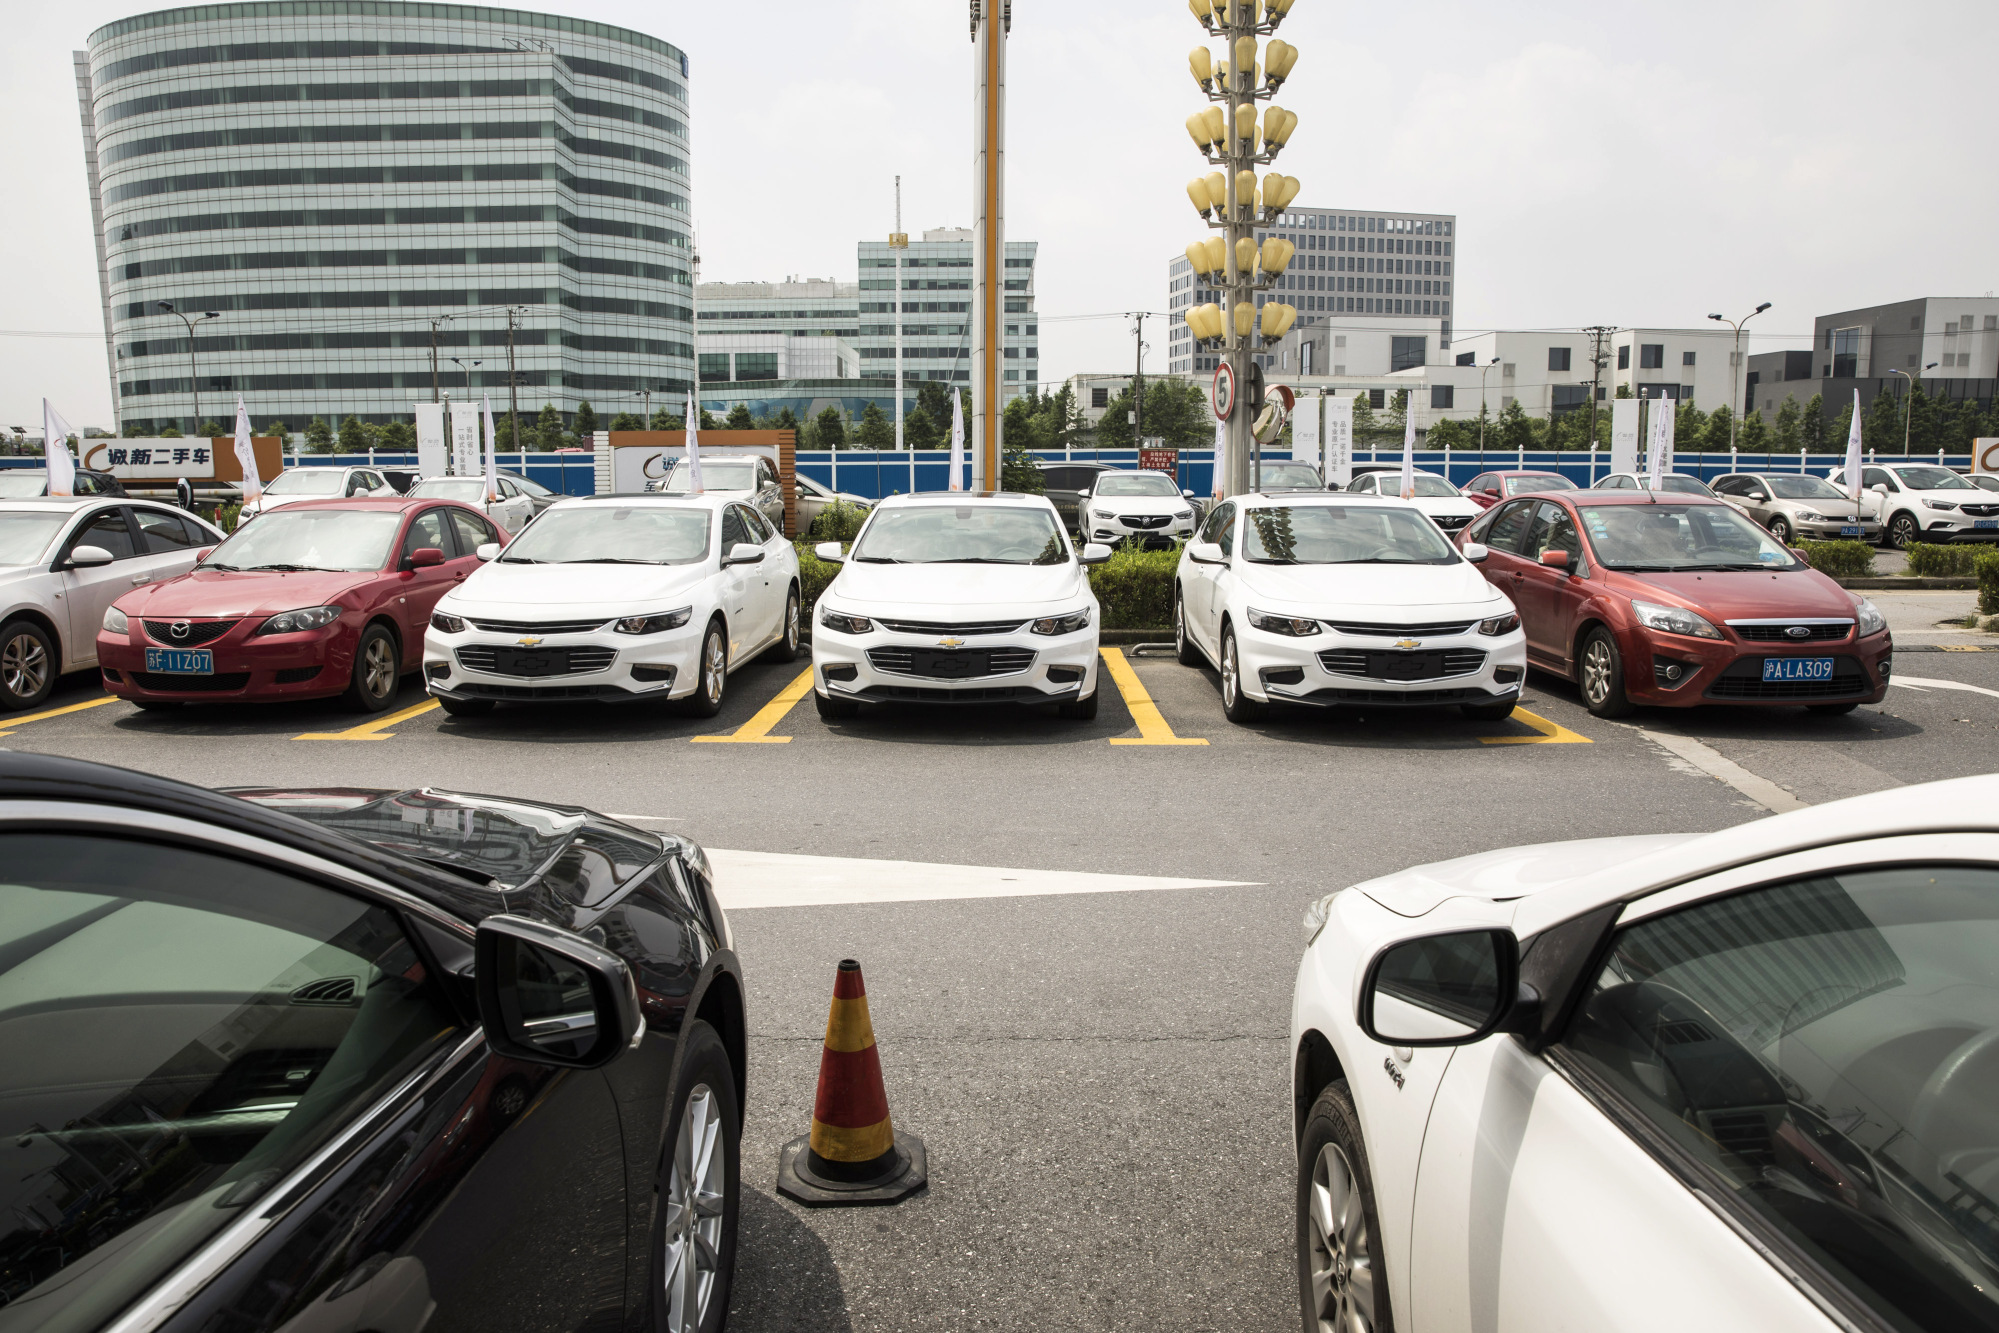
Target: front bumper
{"points": [[1870, 531], [1123, 528], [877, 667], [313, 664], [1728, 671], [1330, 669], [1953, 528], [598, 666]]}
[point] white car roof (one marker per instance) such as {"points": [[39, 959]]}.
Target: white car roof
{"points": [[1014, 498], [1291, 499], [651, 500], [62, 502]]}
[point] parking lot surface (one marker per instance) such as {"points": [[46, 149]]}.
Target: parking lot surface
{"points": [[1078, 937]]}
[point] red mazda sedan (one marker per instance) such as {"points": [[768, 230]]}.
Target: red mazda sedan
{"points": [[319, 598], [1489, 488], [1671, 600]]}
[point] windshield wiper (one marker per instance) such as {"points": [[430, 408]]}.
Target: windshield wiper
{"points": [[609, 560], [283, 569], [973, 560], [879, 560], [1270, 560], [519, 560]]}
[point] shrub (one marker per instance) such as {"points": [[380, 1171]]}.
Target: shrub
{"points": [[1841, 560], [226, 515], [1927, 560], [813, 576], [839, 521], [1986, 565], [1136, 588]]}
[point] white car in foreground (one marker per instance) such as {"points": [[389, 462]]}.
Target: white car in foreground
{"points": [[1149, 508], [958, 598], [511, 512], [1444, 503], [615, 598], [1343, 600], [1742, 1082]]}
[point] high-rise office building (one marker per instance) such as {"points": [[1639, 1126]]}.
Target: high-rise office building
{"points": [[348, 183], [937, 312]]}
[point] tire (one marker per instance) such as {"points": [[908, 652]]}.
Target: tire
{"points": [[1487, 712], [29, 664], [1781, 529], [1342, 1283], [712, 675], [786, 648], [1832, 710], [1184, 651], [831, 708], [1237, 707], [465, 707], [1601, 675], [1902, 532], [157, 705], [377, 671], [1083, 710], [693, 1246]]}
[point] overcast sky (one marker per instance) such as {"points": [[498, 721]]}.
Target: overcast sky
{"points": [[1613, 164]]}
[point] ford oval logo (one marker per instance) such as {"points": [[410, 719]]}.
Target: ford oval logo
{"points": [[1798, 632], [179, 629]]}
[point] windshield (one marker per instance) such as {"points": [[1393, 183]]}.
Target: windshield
{"points": [[452, 488], [1526, 485], [308, 481], [1666, 537], [1291, 475], [533, 488], [1426, 488], [1136, 483], [1932, 479], [1343, 535], [716, 475], [25, 537], [292, 539], [16, 484], [1676, 484], [1803, 488], [963, 535], [601, 535]]}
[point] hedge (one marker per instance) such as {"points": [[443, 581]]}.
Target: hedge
{"points": [[813, 576], [838, 522], [1841, 560], [1986, 565], [1135, 588], [1928, 560]]}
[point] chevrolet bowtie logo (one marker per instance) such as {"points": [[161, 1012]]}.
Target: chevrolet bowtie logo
{"points": [[948, 642], [1408, 643], [529, 642]]}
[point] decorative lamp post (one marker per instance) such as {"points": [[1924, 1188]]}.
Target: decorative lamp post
{"points": [[193, 379]]}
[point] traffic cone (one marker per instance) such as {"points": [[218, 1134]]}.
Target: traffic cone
{"points": [[853, 1156]]}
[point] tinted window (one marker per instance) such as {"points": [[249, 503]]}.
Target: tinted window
{"points": [[473, 531], [734, 529], [1731, 485], [1511, 525], [1363, 484], [759, 528], [427, 529], [1878, 476], [1555, 530], [164, 532], [1211, 531], [1479, 483], [107, 530]]}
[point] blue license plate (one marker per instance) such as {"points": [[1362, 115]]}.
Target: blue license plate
{"points": [[1797, 668], [1849, 530], [1985, 522], [181, 661]]}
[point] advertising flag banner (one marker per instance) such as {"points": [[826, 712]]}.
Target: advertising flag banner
{"points": [[246, 453], [465, 438], [1661, 462], [492, 460], [55, 446], [1305, 431], [1853, 456], [957, 482], [1624, 435], [694, 486], [1409, 448], [1221, 473], [430, 450], [1339, 441]]}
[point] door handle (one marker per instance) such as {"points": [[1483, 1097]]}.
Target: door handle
{"points": [[142, 578]]}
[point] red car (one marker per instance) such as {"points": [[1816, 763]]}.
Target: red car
{"points": [[319, 598], [1674, 600], [1489, 488]]}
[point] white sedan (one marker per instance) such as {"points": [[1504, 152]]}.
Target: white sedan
{"points": [[511, 512], [616, 598], [1338, 599], [317, 483], [1434, 495], [1148, 508], [956, 598], [1742, 1082]]}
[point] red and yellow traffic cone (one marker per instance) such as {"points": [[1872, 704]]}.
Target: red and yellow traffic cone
{"points": [[853, 1154]]}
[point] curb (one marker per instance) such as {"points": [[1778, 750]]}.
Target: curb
{"points": [[1909, 585]]}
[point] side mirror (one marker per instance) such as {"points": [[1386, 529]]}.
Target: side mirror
{"points": [[1095, 553], [1757, 496], [1879, 487], [203, 554], [1445, 990], [1476, 552], [423, 557], [488, 550], [1206, 553], [553, 998], [1556, 560], [830, 551], [1186, 495], [744, 553], [89, 557]]}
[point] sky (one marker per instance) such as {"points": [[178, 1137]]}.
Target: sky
{"points": [[1608, 164]]}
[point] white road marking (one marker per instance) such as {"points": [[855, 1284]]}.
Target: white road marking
{"points": [[776, 879], [1716, 765], [1925, 683]]}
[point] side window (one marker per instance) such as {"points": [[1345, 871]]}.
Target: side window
{"points": [[255, 1014], [1363, 484], [1510, 526], [1726, 485], [473, 531], [733, 529], [759, 526], [163, 532], [427, 529], [108, 530], [766, 472], [1536, 539], [1878, 476], [1479, 483], [1212, 530], [1227, 537], [1822, 1051], [1558, 532]]}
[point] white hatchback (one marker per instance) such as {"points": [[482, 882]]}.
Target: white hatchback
{"points": [[1444, 503], [1339, 599], [616, 598], [958, 598], [1741, 1082]]}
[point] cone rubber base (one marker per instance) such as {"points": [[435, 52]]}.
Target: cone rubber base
{"points": [[907, 1173]]}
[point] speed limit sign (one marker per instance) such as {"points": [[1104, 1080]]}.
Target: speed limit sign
{"points": [[1223, 397]]}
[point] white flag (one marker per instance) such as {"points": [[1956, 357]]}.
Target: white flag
{"points": [[957, 443], [55, 446], [1339, 441], [1853, 456], [1409, 448], [1221, 477], [1661, 463], [693, 446], [492, 462], [246, 453]]}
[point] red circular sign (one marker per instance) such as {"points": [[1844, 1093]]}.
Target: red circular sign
{"points": [[1223, 397]]}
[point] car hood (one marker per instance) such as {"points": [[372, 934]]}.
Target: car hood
{"points": [[1509, 872], [1748, 594], [1317, 588], [945, 591], [1830, 508], [239, 593], [1142, 504], [1439, 506], [500, 590]]}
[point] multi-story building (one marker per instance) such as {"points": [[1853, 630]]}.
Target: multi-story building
{"points": [[349, 184], [1948, 343], [937, 312]]}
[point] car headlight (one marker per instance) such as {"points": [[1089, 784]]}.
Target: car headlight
{"points": [[654, 624], [1068, 624], [1673, 620], [1290, 625], [1185, 516], [1505, 624], [446, 623], [291, 622], [844, 623], [1807, 516], [1871, 619], [115, 622], [1938, 504], [1104, 514]]}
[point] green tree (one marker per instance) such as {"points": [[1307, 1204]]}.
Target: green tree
{"points": [[1789, 437], [277, 428], [212, 429], [663, 418], [919, 431], [172, 432], [585, 424], [934, 398], [1022, 425], [1689, 426], [1881, 425], [1714, 434], [318, 436], [1754, 437], [627, 421], [1921, 411], [547, 435], [1114, 427], [1363, 416], [708, 421], [1395, 421], [829, 429], [1449, 434], [786, 419], [875, 430], [1842, 426], [1515, 431], [1811, 426], [739, 418], [1176, 411], [353, 439]]}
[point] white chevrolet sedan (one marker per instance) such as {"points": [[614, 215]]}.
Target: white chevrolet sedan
{"points": [[1338, 599], [616, 598], [1741, 1082], [958, 598]]}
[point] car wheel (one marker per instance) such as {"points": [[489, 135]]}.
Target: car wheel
{"points": [[1832, 710], [1083, 710], [694, 1223], [830, 707], [1236, 706], [1781, 530], [786, 648], [465, 707], [712, 677], [1902, 531], [28, 664], [1602, 675], [377, 672], [1498, 712], [1184, 651], [1341, 1288]]}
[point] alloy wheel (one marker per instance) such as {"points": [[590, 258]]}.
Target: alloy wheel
{"points": [[791, 623], [695, 1198], [1901, 532], [714, 666], [1596, 671], [24, 666], [379, 668], [1342, 1259], [1229, 683], [1179, 625], [1781, 531]]}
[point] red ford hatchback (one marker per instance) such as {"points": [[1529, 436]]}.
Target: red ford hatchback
{"points": [[1674, 601], [319, 598]]}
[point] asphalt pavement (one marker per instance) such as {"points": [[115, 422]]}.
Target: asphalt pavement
{"points": [[1100, 1076]]}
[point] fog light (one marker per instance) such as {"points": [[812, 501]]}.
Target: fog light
{"points": [[651, 674], [841, 672], [1063, 675], [1284, 675], [1506, 675], [1887, 667], [437, 670]]}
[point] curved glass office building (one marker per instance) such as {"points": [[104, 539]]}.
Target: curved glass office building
{"points": [[348, 183]]}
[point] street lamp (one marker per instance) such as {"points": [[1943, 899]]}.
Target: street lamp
{"points": [[1910, 406], [1735, 371], [1481, 411], [193, 380], [467, 371], [646, 394]]}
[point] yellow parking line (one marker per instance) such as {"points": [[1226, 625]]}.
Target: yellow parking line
{"points": [[371, 731], [1152, 728], [1551, 733], [12, 722], [1959, 648], [756, 731]]}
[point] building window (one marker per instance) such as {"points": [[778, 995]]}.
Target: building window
{"points": [[1651, 356], [1100, 397], [1686, 358], [755, 365], [1407, 353], [1558, 358], [714, 367], [1624, 357], [1377, 398], [1441, 395], [1845, 353], [1567, 397]]}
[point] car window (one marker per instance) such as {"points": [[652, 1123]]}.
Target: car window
{"points": [[1728, 486], [1363, 484], [734, 529], [1510, 526], [1480, 483], [1878, 476], [178, 1032], [1826, 1052], [533, 487], [109, 531], [760, 530], [1225, 534], [427, 529], [163, 531], [1555, 530], [473, 531]]}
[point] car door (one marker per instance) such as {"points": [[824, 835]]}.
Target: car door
{"points": [[1222, 577], [473, 531], [1549, 599], [738, 582], [768, 581], [168, 542], [1886, 493], [87, 593], [1505, 539], [418, 589]]}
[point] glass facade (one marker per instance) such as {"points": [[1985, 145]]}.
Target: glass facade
{"points": [[937, 312], [350, 183]]}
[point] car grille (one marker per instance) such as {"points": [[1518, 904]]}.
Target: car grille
{"points": [[531, 692], [1782, 634], [1402, 698], [1980, 511], [1145, 522], [539, 627], [198, 631], [485, 657], [1744, 680], [1402, 666], [921, 694], [941, 628], [167, 683], [1450, 522], [1366, 629], [998, 661]]}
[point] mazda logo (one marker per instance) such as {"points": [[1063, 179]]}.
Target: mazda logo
{"points": [[1798, 632], [179, 629]]}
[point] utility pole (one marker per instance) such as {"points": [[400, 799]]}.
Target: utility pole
{"points": [[1599, 334], [1138, 384], [434, 325], [898, 241], [193, 379], [992, 21], [513, 396]]}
